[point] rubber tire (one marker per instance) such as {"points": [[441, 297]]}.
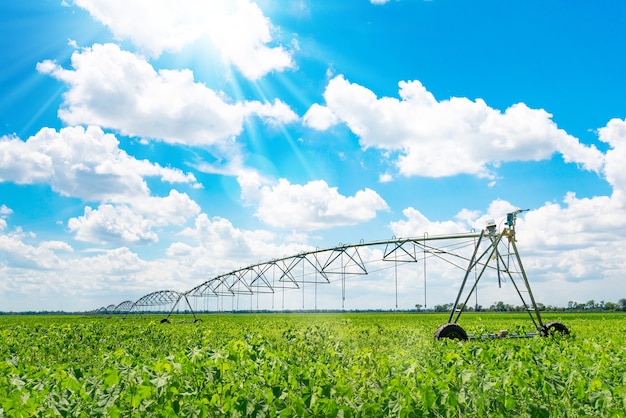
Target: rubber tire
{"points": [[451, 331], [553, 328]]}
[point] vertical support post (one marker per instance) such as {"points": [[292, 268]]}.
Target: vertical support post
{"points": [[476, 285], [343, 283], [316, 288], [425, 235], [523, 273], [172, 310], [467, 272], [190, 308], [395, 263]]}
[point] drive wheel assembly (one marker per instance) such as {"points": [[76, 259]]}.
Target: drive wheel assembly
{"points": [[451, 331], [554, 328]]}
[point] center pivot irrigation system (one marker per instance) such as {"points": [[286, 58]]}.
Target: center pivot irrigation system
{"points": [[486, 252]]}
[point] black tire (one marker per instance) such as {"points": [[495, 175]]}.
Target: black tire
{"points": [[554, 328], [451, 331]]}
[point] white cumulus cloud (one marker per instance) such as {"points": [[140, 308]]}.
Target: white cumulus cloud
{"points": [[88, 164], [447, 137], [237, 28], [614, 134], [111, 223], [19, 253], [218, 246], [133, 223], [570, 249], [81, 162], [4, 212], [117, 89], [311, 206], [319, 117]]}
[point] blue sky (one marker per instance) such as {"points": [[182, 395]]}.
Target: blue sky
{"points": [[152, 145]]}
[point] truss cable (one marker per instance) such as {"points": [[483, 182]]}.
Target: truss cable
{"points": [[316, 289], [395, 265], [476, 281], [257, 292], [448, 252], [424, 249], [238, 293], [498, 267], [343, 283], [508, 255]]}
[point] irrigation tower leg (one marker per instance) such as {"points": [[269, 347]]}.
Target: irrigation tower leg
{"points": [[167, 318], [473, 262], [539, 324]]}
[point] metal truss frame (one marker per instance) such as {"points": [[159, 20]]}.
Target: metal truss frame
{"points": [[164, 298], [491, 250], [319, 266], [125, 306]]}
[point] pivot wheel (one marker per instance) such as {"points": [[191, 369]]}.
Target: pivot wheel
{"points": [[554, 328], [452, 331]]}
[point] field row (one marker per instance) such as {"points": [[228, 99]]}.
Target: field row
{"points": [[309, 365]]}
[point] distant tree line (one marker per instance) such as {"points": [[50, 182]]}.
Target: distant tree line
{"points": [[597, 306], [25, 313], [589, 306]]}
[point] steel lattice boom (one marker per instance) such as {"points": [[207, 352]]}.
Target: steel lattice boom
{"points": [[487, 250]]}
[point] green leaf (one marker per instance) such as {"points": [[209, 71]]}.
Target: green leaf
{"points": [[428, 397]]}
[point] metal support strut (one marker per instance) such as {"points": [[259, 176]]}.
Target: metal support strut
{"points": [[492, 251], [503, 270]]}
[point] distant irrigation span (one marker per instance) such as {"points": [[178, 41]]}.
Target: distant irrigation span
{"points": [[331, 266], [308, 270], [474, 253]]}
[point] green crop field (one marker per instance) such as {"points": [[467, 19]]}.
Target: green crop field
{"points": [[310, 365]]}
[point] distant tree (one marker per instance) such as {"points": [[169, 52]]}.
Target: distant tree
{"points": [[443, 308], [418, 307], [622, 304], [611, 306], [500, 306]]}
